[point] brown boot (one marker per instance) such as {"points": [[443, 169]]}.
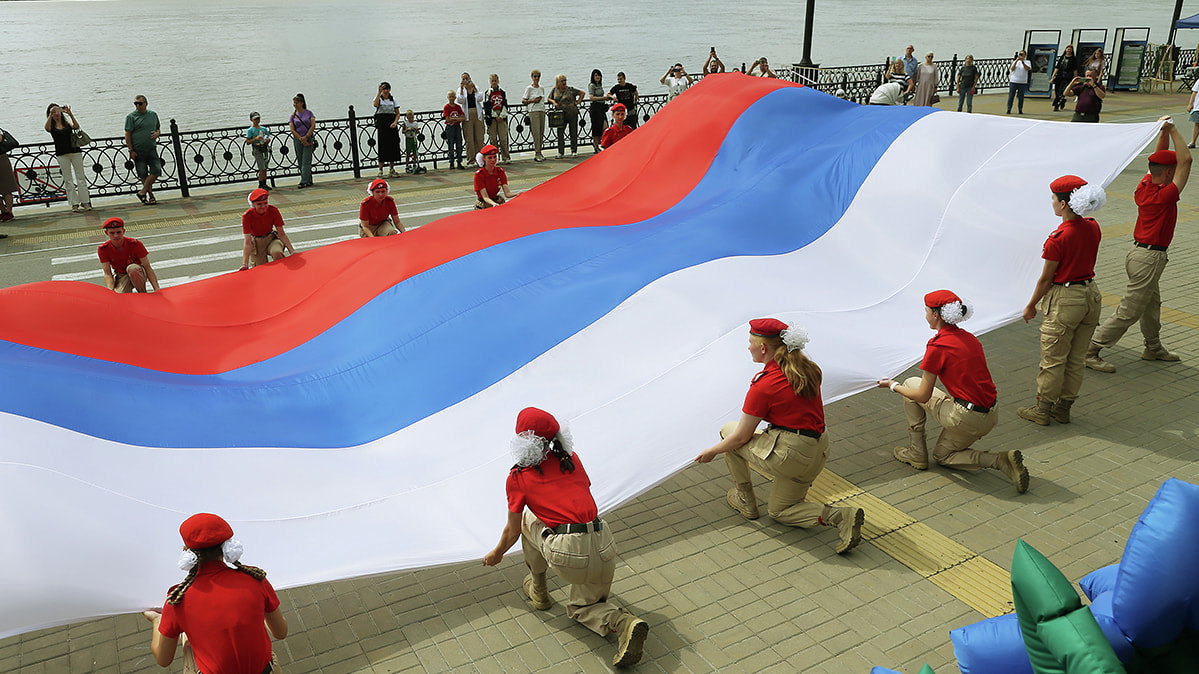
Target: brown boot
{"points": [[1096, 363], [741, 498], [1061, 411], [537, 592], [1159, 352], [849, 523], [1038, 414], [915, 454], [631, 632], [1012, 465]]}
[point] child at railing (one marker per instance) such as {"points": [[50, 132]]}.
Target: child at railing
{"points": [[412, 144]]}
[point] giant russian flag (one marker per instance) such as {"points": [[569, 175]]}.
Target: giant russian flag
{"points": [[349, 409]]}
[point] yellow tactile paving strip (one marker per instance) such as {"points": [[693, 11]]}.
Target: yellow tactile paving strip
{"points": [[980, 584]]}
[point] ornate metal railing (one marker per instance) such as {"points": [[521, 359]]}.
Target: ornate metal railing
{"points": [[220, 156], [209, 157], [858, 82]]}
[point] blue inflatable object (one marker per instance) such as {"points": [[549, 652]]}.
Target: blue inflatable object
{"points": [[1099, 581], [883, 670], [992, 646], [1101, 608], [1156, 594]]}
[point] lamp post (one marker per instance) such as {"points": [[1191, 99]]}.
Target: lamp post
{"points": [[807, 35], [1173, 23]]}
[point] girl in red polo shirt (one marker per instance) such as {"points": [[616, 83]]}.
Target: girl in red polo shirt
{"points": [[224, 610], [968, 412], [1069, 298], [794, 447], [562, 531]]}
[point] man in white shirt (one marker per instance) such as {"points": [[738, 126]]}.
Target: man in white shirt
{"points": [[676, 80], [1018, 80], [890, 93]]}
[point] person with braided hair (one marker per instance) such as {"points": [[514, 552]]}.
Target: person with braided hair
{"points": [[794, 447], [225, 607], [968, 411], [562, 530], [1069, 298]]}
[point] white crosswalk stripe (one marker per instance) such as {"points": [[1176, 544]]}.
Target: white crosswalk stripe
{"points": [[185, 252]]}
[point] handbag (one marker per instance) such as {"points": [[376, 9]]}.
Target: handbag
{"points": [[556, 118], [8, 143], [936, 99], [79, 138], [973, 91]]}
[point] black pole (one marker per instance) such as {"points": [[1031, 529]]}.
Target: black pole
{"points": [[1174, 23], [354, 144], [180, 162], [807, 35]]}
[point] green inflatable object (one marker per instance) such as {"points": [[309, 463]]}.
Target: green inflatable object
{"points": [[1061, 635], [926, 670]]}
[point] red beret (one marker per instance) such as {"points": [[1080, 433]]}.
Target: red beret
{"points": [[1164, 157], [377, 183], [257, 194], [489, 149], [939, 298], [766, 327], [114, 223], [1066, 184], [204, 530], [542, 423], [620, 107]]}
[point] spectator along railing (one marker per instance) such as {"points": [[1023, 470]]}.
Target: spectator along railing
{"points": [[193, 159]]}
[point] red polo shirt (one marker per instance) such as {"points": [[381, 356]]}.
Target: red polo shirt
{"points": [[1074, 246], [222, 613], [490, 181], [261, 225], [613, 134], [375, 212], [957, 358], [120, 259], [771, 398], [1157, 212], [553, 496]]}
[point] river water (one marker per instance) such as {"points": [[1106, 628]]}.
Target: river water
{"points": [[208, 63]]}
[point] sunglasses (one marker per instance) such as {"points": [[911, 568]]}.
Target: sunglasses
{"points": [[139, 102]]}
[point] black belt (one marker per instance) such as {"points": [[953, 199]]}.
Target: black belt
{"points": [[971, 406], [1138, 244], [596, 525], [802, 431], [1067, 284]]}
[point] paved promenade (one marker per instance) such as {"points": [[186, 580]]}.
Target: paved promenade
{"points": [[720, 593]]}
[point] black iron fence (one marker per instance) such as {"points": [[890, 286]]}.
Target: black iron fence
{"points": [[858, 82], [209, 157], [192, 159]]}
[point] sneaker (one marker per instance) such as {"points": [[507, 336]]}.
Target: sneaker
{"points": [[1159, 353], [538, 158], [631, 641], [911, 457], [850, 528], [88, 206], [1191, 145], [738, 502], [1100, 365], [76, 209], [5, 217], [392, 174], [539, 596], [1012, 465], [380, 174]]}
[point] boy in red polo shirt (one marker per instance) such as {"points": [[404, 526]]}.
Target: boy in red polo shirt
{"points": [[125, 260], [377, 215], [262, 225], [224, 606], [1069, 298], [1157, 213], [618, 129], [490, 179], [968, 411]]}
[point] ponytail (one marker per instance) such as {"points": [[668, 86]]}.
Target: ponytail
{"points": [[175, 594], [802, 373]]}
